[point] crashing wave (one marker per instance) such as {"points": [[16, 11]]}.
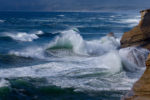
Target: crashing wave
{"points": [[102, 65], [133, 58], [69, 40], [109, 65], [4, 83], [72, 40], [71, 43], [94, 72], [110, 61], [23, 36], [33, 52]]}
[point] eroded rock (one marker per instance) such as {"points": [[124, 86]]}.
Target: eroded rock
{"points": [[140, 35]]}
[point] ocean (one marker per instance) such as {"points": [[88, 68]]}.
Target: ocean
{"points": [[67, 56]]}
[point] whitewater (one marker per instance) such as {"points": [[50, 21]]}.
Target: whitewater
{"points": [[69, 50]]}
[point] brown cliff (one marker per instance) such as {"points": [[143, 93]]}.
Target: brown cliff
{"points": [[139, 35], [141, 89]]}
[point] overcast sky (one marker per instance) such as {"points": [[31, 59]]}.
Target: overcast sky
{"points": [[72, 5]]}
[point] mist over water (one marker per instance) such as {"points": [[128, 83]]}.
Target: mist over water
{"points": [[69, 50]]}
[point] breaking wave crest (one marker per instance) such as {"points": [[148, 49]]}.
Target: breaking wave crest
{"points": [[72, 40], [71, 43], [33, 52], [23, 36], [83, 64]]}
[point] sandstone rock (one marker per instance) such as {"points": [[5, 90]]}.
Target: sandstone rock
{"points": [[140, 34], [141, 89]]}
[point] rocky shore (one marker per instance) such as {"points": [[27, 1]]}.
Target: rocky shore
{"points": [[140, 36]]}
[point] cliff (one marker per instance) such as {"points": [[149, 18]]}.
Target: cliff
{"points": [[139, 35]]}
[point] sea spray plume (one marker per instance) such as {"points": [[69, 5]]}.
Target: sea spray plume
{"points": [[102, 45], [133, 58], [140, 90], [112, 62]]}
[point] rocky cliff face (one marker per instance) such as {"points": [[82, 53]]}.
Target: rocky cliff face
{"points": [[141, 89], [139, 35]]}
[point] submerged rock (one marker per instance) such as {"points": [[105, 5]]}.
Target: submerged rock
{"points": [[140, 34], [141, 89], [111, 34]]}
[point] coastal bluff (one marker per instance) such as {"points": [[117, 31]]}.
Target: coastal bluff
{"points": [[140, 35]]}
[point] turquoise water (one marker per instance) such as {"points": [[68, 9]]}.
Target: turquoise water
{"points": [[67, 56]]}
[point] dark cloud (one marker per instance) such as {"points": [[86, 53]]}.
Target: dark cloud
{"points": [[72, 5]]}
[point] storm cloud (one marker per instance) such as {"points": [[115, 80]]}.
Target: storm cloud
{"points": [[72, 5]]}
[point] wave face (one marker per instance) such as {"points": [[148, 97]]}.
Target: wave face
{"points": [[69, 40], [72, 40], [67, 53]]}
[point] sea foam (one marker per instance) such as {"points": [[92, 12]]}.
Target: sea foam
{"points": [[84, 72], [133, 57], [71, 39], [23, 36], [1, 21]]}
